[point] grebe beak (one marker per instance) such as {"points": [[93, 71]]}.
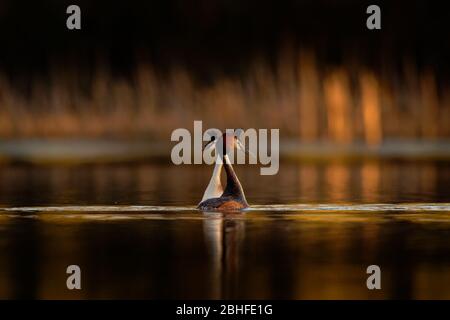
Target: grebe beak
{"points": [[210, 145], [241, 147]]}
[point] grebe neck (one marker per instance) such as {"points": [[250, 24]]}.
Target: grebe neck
{"points": [[234, 187], [214, 188]]}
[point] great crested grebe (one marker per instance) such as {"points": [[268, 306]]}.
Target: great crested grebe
{"points": [[233, 197]]}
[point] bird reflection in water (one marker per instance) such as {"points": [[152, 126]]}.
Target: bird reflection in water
{"points": [[224, 234]]}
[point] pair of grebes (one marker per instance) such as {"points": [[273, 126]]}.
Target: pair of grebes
{"points": [[215, 198]]}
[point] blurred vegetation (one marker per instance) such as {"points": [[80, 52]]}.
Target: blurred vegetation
{"points": [[305, 99], [143, 68]]}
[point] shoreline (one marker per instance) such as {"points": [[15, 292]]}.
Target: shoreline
{"points": [[84, 151]]}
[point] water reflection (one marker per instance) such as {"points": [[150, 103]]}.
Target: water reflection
{"points": [[224, 236], [296, 255], [153, 184], [312, 231]]}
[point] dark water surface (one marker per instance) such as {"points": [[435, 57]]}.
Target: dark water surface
{"points": [[312, 232]]}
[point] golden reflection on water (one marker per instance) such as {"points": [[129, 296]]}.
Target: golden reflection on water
{"points": [[298, 255], [152, 184], [370, 179], [337, 180], [310, 234]]}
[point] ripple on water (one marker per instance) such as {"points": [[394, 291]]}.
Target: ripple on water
{"points": [[414, 207]]}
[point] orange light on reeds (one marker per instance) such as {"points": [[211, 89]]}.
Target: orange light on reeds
{"points": [[429, 106], [338, 102], [308, 97], [370, 104]]}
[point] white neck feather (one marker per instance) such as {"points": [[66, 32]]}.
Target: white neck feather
{"points": [[214, 188]]}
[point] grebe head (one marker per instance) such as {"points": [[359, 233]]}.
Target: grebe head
{"points": [[226, 142]]}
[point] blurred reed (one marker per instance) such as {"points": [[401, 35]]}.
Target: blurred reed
{"points": [[307, 101]]}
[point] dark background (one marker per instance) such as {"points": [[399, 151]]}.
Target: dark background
{"points": [[142, 68], [221, 35]]}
